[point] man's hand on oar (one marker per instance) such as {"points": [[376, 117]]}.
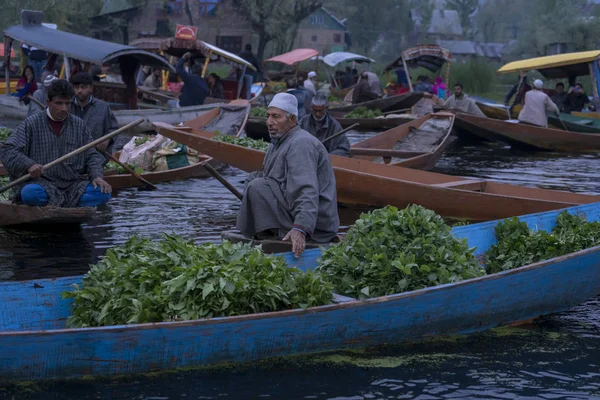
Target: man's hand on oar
{"points": [[36, 170]]}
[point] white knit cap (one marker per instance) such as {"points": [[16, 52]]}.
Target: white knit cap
{"points": [[48, 80], [312, 74], [286, 102], [538, 84]]}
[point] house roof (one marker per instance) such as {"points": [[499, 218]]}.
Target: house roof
{"points": [[342, 25], [115, 6], [467, 48]]}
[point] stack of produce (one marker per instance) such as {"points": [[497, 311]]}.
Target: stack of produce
{"points": [[144, 281], [243, 141], [363, 112], [258, 112], [4, 134], [114, 168]]}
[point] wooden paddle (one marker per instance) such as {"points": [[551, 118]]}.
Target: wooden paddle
{"points": [[220, 178], [340, 133], [127, 168], [562, 122], [397, 111], [74, 153]]}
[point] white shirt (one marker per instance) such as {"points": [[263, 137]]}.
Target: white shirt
{"points": [[536, 105], [310, 85]]}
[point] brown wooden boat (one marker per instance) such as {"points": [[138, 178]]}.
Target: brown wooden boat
{"points": [[418, 144], [399, 102], [528, 136], [496, 112], [361, 182], [18, 215]]}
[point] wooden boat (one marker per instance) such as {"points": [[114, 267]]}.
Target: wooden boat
{"points": [[18, 215], [269, 246], [400, 102], [418, 144], [361, 182], [37, 345], [528, 136]]}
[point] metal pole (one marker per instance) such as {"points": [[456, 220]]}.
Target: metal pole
{"points": [[206, 62], [407, 74], [67, 67]]}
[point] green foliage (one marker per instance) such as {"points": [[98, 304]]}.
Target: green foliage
{"points": [[477, 75], [144, 281], [389, 251], [4, 180], [4, 134], [117, 169], [141, 140], [519, 246], [243, 141], [363, 112], [259, 112]]}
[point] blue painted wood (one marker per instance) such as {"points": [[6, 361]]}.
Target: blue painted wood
{"points": [[33, 345]]}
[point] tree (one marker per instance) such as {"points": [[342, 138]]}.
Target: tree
{"points": [[270, 18], [464, 8]]}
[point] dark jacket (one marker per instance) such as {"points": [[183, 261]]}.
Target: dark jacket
{"points": [[362, 92], [575, 102], [339, 146], [522, 87], [194, 89], [559, 99], [248, 56], [347, 80], [217, 91]]}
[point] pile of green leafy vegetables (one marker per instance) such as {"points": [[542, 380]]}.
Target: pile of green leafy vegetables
{"points": [[173, 279], [519, 246], [243, 141], [258, 112], [4, 134], [141, 140], [4, 180], [115, 168], [363, 112], [391, 251]]}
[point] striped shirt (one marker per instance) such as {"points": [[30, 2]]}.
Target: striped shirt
{"points": [[98, 117]]}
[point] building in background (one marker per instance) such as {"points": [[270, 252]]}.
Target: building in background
{"points": [[323, 32]]}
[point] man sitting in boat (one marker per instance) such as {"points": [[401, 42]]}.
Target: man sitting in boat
{"points": [[322, 125], [560, 96], [461, 102], [194, 89], [41, 94], [576, 99], [362, 91], [537, 103], [96, 114], [45, 137], [294, 195]]}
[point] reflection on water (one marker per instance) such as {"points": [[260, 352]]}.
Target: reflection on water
{"points": [[558, 358]]}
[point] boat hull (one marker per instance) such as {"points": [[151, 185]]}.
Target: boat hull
{"points": [[36, 346], [13, 215], [399, 102]]}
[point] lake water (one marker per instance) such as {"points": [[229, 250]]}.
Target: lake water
{"points": [[557, 358]]}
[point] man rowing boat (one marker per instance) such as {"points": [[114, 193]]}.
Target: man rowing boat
{"points": [[294, 195], [45, 137]]}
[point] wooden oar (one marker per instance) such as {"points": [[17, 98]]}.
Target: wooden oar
{"points": [[74, 153], [127, 168], [36, 101], [340, 133], [563, 123], [397, 111], [220, 178]]}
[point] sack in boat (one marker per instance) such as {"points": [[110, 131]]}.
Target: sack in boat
{"points": [[173, 156], [143, 155]]}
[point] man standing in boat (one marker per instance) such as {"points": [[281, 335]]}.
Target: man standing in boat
{"points": [[45, 137], [294, 195], [322, 125], [537, 103], [96, 113], [195, 89]]}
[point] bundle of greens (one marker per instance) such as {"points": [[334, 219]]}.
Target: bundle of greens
{"points": [[4, 134], [144, 281], [4, 180], [115, 168], [243, 141], [279, 87], [519, 246], [363, 112], [141, 140], [389, 251], [259, 112]]}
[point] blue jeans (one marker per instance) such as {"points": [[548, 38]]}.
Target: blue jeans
{"points": [[35, 195], [248, 80], [38, 67]]}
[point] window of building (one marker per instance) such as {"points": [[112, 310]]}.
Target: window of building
{"points": [[208, 8], [232, 44], [314, 38], [337, 38], [174, 7], [317, 20]]}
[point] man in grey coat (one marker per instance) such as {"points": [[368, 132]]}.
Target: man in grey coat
{"points": [[294, 195], [322, 125]]}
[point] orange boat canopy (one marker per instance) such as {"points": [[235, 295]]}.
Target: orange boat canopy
{"points": [[12, 51], [294, 56]]}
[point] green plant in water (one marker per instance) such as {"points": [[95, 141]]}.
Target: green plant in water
{"points": [[389, 251], [173, 279]]}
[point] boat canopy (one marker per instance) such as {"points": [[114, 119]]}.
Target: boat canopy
{"points": [[555, 67], [295, 56], [429, 56], [178, 47], [77, 47], [12, 52], [333, 59]]}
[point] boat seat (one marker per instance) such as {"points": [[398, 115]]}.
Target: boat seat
{"points": [[476, 185]]}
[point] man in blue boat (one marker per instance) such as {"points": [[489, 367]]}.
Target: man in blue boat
{"points": [[45, 137], [294, 196], [322, 125], [96, 113]]}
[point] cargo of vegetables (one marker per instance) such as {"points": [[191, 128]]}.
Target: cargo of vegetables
{"points": [[363, 112], [390, 251], [173, 279], [519, 246], [4, 134], [259, 112], [243, 141]]}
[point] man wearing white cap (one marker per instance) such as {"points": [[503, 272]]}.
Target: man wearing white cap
{"points": [[537, 103], [309, 84], [41, 94], [294, 195]]}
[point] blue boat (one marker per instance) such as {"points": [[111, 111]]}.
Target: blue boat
{"points": [[34, 343]]}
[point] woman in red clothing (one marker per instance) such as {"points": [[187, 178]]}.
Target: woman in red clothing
{"points": [[26, 85]]}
